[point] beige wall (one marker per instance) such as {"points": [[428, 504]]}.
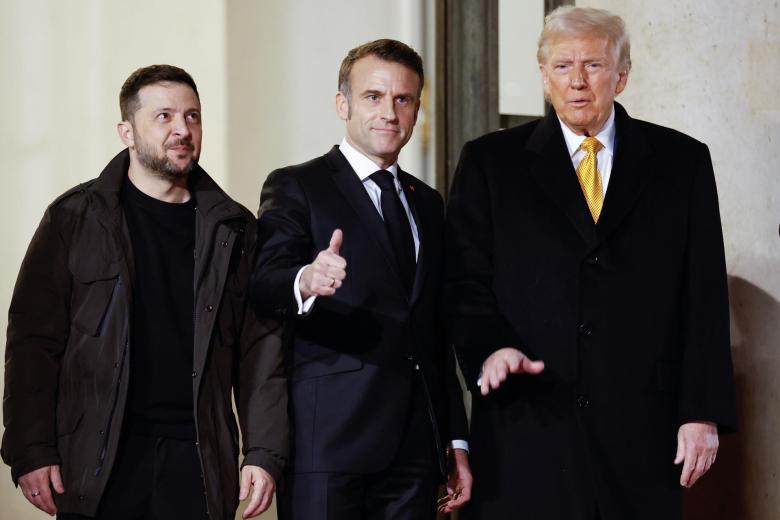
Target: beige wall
{"points": [[712, 70]]}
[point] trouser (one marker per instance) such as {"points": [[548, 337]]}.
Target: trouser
{"points": [[153, 478], [406, 490]]}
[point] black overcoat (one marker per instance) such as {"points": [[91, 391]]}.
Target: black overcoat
{"points": [[629, 315]]}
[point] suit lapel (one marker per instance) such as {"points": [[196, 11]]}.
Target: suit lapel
{"points": [[407, 184], [554, 171], [353, 190], [630, 173]]}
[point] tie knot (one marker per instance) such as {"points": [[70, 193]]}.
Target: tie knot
{"points": [[591, 145], [384, 179]]}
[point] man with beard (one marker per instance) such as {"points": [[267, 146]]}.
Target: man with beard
{"points": [[125, 332]]}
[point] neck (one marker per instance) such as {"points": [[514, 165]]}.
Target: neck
{"points": [[382, 162], [161, 188]]}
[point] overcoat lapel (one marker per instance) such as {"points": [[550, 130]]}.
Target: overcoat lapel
{"points": [[353, 190], [631, 172], [553, 170]]}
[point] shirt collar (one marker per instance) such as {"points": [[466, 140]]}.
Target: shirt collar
{"points": [[606, 136], [362, 165]]}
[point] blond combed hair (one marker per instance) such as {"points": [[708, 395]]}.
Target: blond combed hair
{"points": [[568, 21]]}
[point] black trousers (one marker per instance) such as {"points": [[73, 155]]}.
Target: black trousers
{"points": [[406, 490], [154, 478]]}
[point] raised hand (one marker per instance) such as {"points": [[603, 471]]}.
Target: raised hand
{"points": [[325, 275], [503, 362]]}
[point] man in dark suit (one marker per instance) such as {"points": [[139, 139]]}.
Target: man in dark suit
{"points": [[373, 396], [587, 298]]}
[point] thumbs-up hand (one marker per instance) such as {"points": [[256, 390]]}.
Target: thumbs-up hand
{"points": [[326, 274]]}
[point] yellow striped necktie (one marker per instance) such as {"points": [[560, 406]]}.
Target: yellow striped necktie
{"points": [[590, 178]]}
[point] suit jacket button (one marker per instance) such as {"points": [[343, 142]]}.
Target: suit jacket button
{"points": [[593, 260], [582, 401]]}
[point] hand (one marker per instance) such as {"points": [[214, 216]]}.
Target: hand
{"points": [[327, 272], [36, 486], [503, 362], [458, 483], [697, 445], [263, 487]]}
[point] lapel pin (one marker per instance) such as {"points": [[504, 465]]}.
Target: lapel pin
{"points": [[411, 187]]}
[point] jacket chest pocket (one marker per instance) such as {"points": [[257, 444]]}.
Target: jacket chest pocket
{"points": [[96, 287]]}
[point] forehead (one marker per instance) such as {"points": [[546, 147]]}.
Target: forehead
{"points": [[580, 46], [372, 72], [168, 94]]}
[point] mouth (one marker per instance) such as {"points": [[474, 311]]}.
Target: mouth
{"points": [[579, 103], [386, 130]]}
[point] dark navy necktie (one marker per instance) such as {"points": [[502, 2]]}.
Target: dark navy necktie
{"points": [[398, 227]]}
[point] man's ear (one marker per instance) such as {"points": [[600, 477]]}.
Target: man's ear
{"points": [[125, 131], [342, 105]]}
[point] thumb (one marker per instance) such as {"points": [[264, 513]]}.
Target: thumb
{"points": [[335, 241], [532, 367], [680, 456], [56, 480], [246, 482]]}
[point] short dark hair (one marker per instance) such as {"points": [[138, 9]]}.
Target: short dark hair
{"points": [[384, 49], [128, 95]]}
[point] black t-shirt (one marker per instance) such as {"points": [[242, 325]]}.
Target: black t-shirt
{"points": [[162, 336]]}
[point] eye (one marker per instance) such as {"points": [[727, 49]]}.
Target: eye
{"points": [[372, 97], [403, 100], [594, 65], [163, 116], [194, 117], [561, 67]]}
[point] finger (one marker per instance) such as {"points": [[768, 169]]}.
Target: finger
{"points": [[246, 481], [336, 273], [484, 387], [335, 241], [56, 480], [268, 496], [514, 362], [531, 367], [257, 495], [689, 466], [45, 501], [680, 455]]}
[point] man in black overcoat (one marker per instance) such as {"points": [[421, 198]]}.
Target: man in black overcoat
{"points": [[587, 297]]}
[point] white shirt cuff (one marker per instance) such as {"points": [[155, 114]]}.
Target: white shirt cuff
{"points": [[304, 307], [459, 444]]}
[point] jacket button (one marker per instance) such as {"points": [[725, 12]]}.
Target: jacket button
{"points": [[209, 308], [100, 432], [585, 329], [82, 498], [593, 260], [194, 374], [224, 243], [582, 401]]}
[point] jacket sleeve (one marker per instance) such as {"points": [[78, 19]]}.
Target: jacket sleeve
{"points": [[707, 375], [284, 245], [476, 325], [261, 396], [38, 328]]}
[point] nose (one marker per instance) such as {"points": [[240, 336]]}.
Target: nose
{"points": [[180, 126], [388, 109], [577, 78]]}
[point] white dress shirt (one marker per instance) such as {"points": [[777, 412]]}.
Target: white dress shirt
{"points": [[606, 137]]}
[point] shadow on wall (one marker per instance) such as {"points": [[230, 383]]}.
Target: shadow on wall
{"points": [[743, 483]]}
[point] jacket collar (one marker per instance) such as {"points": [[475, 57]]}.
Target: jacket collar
{"points": [[212, 201], [554, 171]]}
